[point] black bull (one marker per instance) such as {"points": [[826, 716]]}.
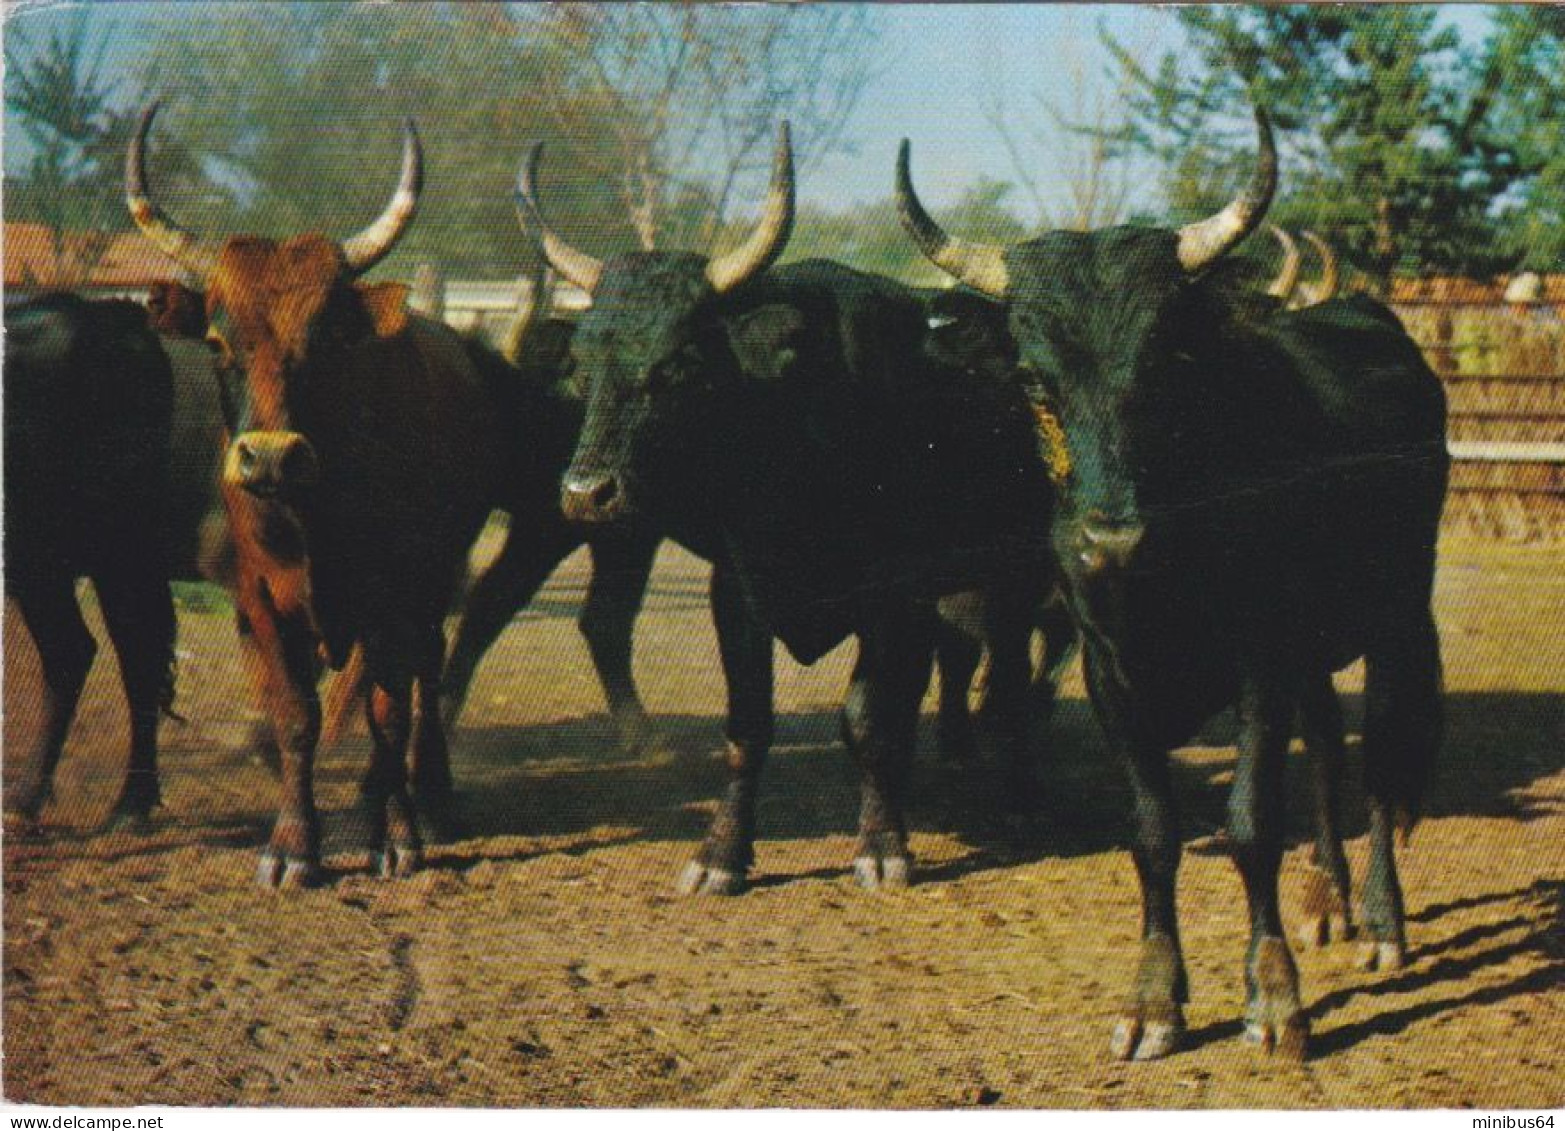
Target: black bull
{"points": [[1253, 503], [794, 431], [89, 400]]}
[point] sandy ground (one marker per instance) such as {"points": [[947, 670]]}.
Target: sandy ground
{"points": [[546, 961]]}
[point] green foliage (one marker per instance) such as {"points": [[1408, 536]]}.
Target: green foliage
{"points": [[1527, 54], [870, 236], [655, 119], [310, 139], [1382, 120]]}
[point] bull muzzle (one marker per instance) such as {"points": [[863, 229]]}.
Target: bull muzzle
{"points": [[597, 497], [271, 465], [1099, 547]]}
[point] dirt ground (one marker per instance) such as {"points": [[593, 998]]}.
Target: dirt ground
{"points": [[547, 961]]}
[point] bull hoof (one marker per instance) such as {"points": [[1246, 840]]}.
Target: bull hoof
{"points": [[1324, 917], [880, 873], [636, 734], [1137, 1037], [397, 861], [1382, 957], [1289, 1039], [1275, 1020], [278, 871], [22, 824], [701, 879], [26, 804]]}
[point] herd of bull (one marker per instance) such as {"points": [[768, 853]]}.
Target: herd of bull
{"points": [[1115, 435]]}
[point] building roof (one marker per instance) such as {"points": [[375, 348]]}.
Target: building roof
{"points": [[128, 260]]}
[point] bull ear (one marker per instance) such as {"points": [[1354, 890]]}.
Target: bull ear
{"points": [[176, 310], [766, 340], [970, 331], [387, 306]]}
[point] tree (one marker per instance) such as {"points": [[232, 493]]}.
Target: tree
{"points": [[72, 184], [871, 237], [1381, 124], [1078, 153], [310, 138], [1525, 68], [688, 96]]}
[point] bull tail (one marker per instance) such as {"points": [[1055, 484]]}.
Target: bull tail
{"points": [[170, 683], [1403, 721]]}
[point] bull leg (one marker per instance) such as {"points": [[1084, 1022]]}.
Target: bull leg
{"points": [[286, 646], [395, 847], [433, 787], [723, 863], [65, 651], [1329, 883], [524, 563], [138, 610], [1274, 1018], [345, 691], [621, 567], [259, 739], [1008, 630], [880, 724], [1152, 1022], [1402, 725], [1060, 644], [957, 654]]}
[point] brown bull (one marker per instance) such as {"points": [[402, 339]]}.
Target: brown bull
{"points": [[362, 462]]}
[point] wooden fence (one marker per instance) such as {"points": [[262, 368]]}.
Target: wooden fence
{"points": [[1503, 365]]}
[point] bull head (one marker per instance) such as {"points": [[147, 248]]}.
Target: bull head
{"points": [[652, 331], [265, 306], [1119, 333]]}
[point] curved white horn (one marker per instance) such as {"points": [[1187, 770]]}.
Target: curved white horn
{"points": [[1206, 241], [979, 265], [1281, 287], [1329, 278], [375, 242], [196, 255], [771, 232], [577, 266]]}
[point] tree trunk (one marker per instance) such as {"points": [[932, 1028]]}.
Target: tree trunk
{"points": [[1385, 250]]}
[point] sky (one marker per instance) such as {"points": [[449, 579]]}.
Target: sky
{"points": [[941, 65]]}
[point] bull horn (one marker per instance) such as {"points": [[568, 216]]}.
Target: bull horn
{"points": [[190, 251], [1282, 286], [979, 265], [771, 232], [1206, 241], [375, 242], [577, 266], [1327, 287]]}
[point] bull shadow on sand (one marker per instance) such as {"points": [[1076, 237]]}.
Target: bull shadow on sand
{"points": [[569, 777]]}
